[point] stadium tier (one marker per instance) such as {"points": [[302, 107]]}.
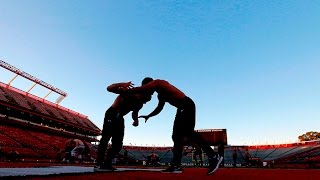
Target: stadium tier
{"points": [[259, 156], [13, 100], [38, 129]]}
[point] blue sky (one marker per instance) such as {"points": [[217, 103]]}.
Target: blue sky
{"points": [[251, 67]]}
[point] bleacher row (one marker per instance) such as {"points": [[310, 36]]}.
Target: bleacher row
{"points": [[142, 154], [291, 154], [35, 104], [165, 154], [32, 144], [38, 129]]}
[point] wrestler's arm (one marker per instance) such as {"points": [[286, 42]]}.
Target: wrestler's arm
{"points": [[119, 88], [156, 111], [134, 116]]}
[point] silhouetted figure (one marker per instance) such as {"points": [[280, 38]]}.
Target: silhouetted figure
{"points": [[272, 164], [86, 154], [74, 149], [69, 145], [76, 152], [14, 156], [198, 153], [235, 157], [1, 154], [247, 158], [125, 156], [184, 123], [153, 159], [113, 125], [60, 155]]}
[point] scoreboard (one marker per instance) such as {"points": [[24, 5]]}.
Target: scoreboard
{"points": [[214, 137]]}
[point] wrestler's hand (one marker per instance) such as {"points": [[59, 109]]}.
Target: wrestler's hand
{"points": [[145, 117], [120, 88], [127, 85], [135, 123]]}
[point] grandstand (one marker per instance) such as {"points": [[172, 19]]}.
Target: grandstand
{"points": [[36, 128], [298, 155], [278, 155]]}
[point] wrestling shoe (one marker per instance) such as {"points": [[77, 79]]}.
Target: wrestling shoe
{"points": [[214, 163], [173, 169]]}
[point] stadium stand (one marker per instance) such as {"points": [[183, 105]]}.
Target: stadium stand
{"points": [[261, 155], [36, 128]]}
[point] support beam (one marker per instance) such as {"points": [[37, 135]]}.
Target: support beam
{"points": [[47, 94], [31, 78], [9, 83], [31, 87]]}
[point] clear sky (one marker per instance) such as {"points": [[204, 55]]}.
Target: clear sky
{"points": [[252, 67]]}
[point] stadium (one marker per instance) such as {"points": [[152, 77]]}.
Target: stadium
{"points": [[33, 132]]}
